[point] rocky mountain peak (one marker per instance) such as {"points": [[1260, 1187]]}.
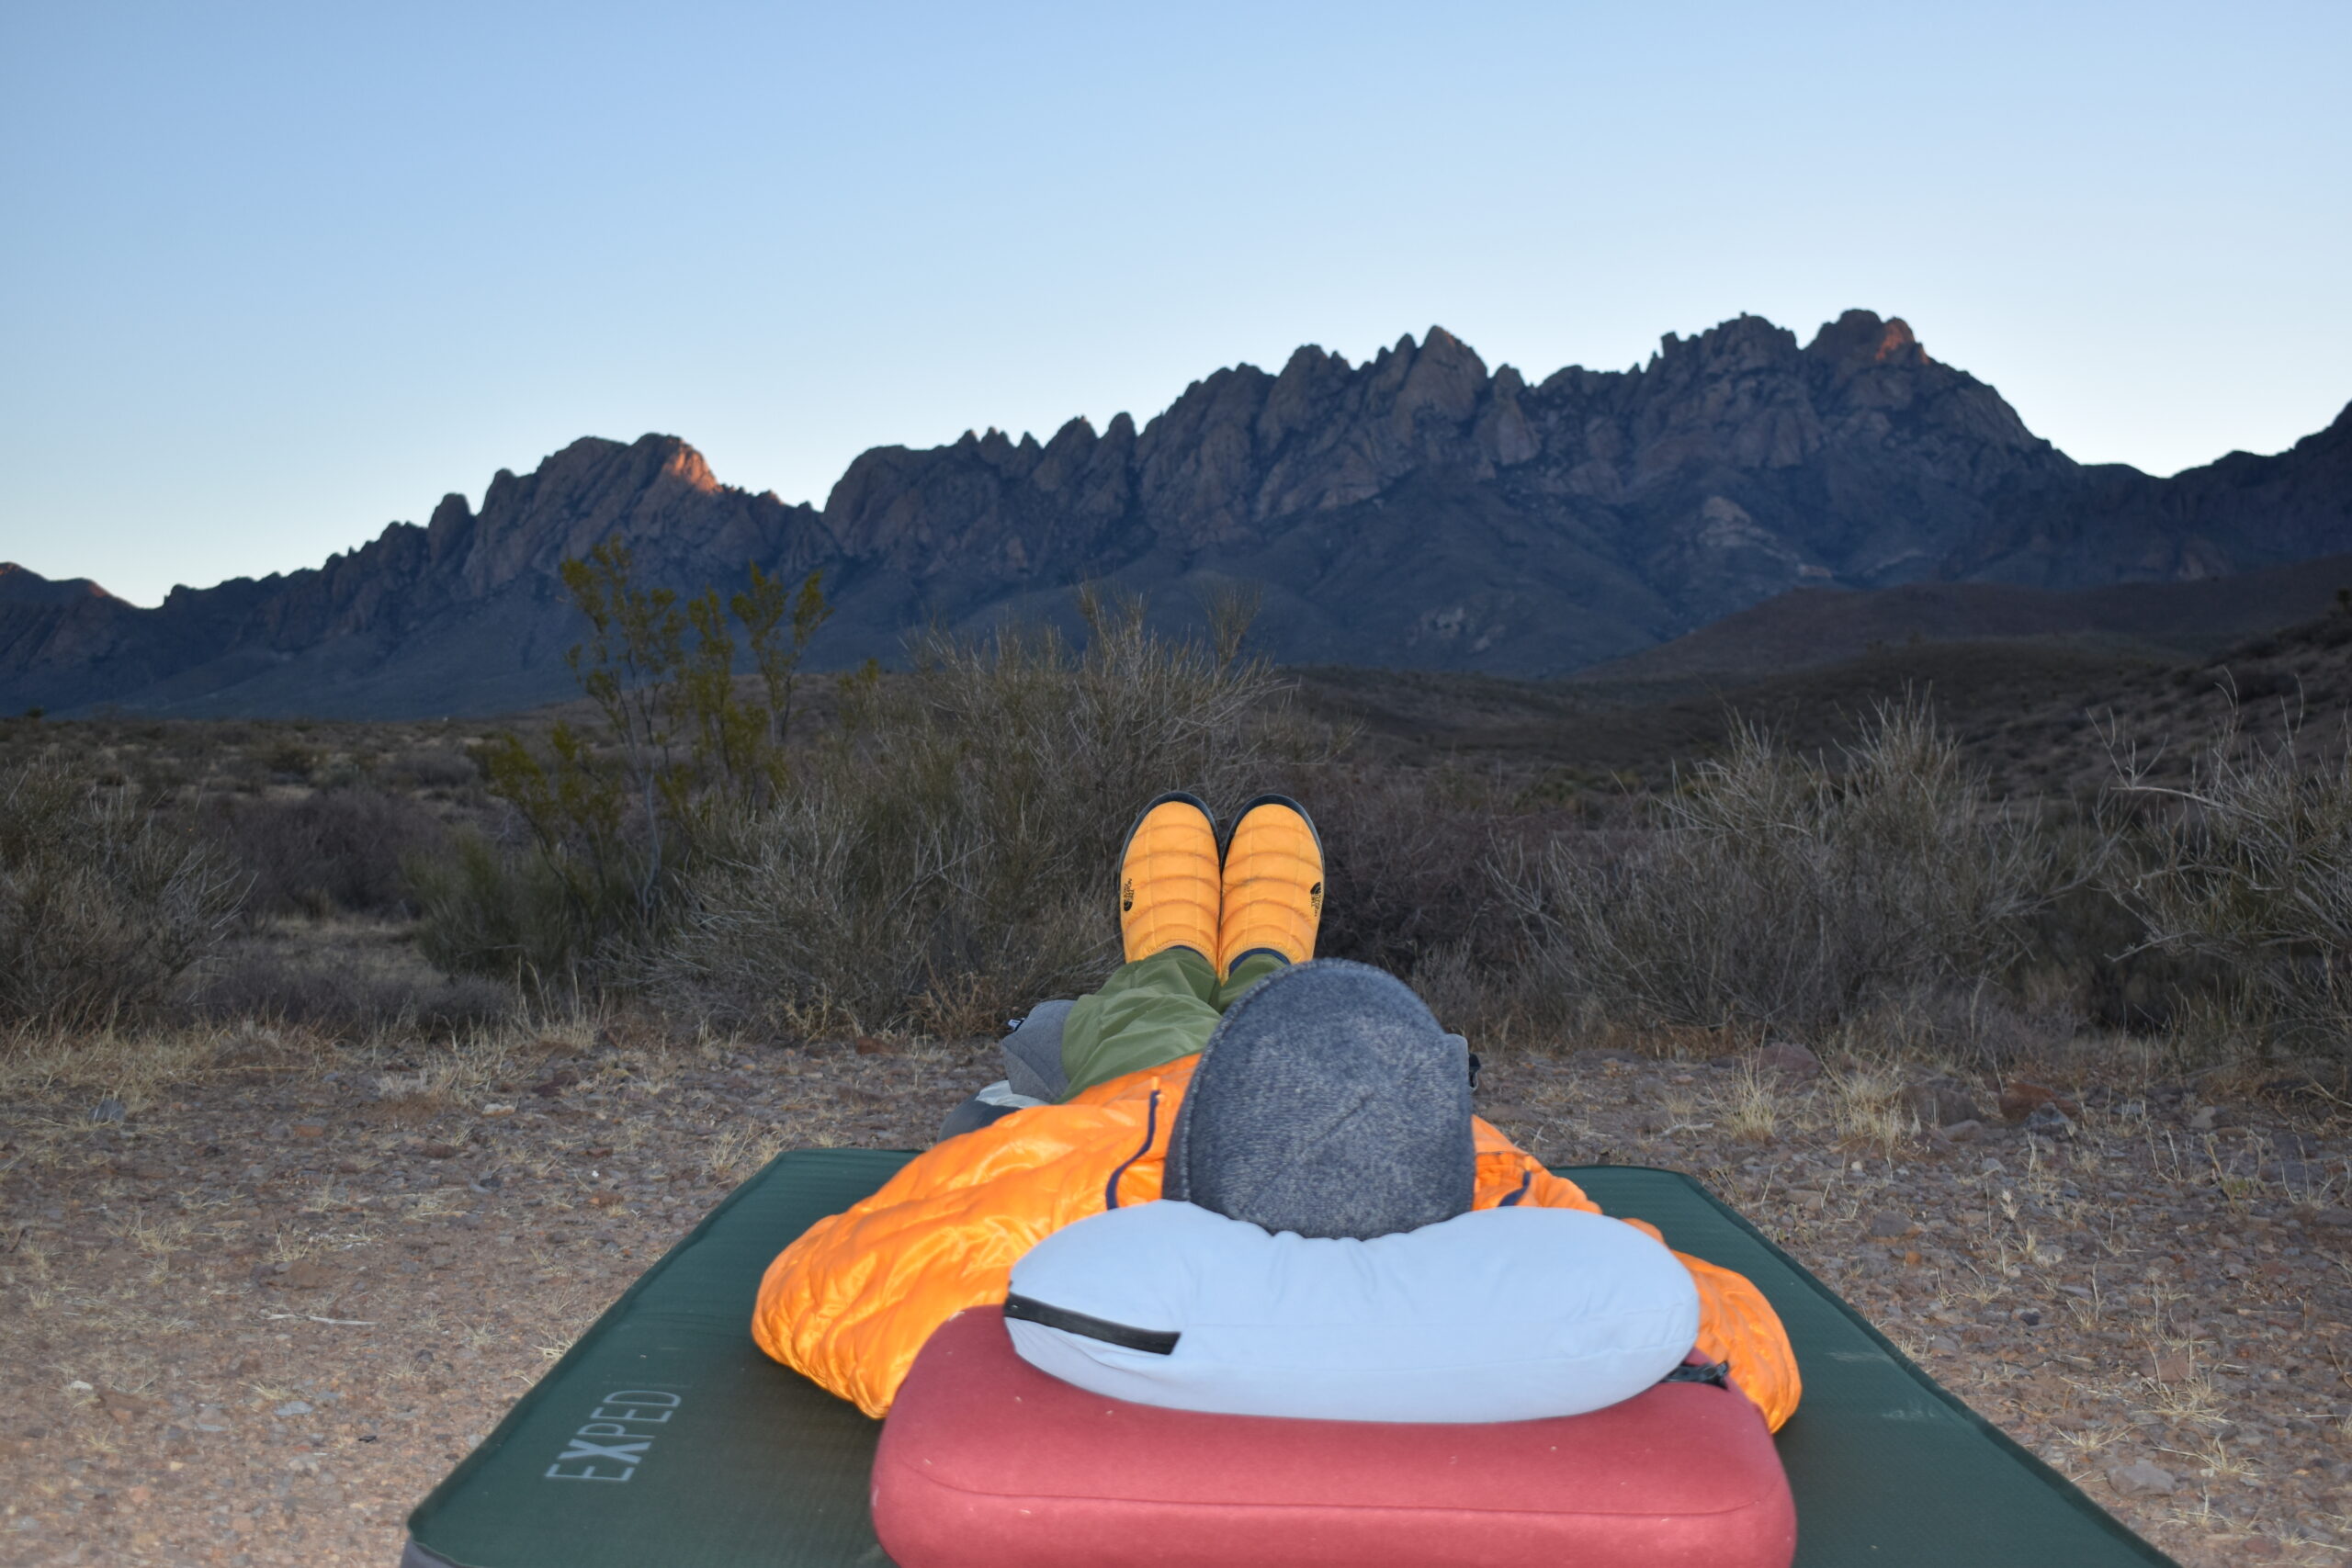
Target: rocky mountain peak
{"points": [[22, 585], [1897, 346], [1744, 339], [1446, 380], [689, 468], [1860, 338]]}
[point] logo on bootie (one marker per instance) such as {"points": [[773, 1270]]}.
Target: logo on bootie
{"points": [[1128, 895]]}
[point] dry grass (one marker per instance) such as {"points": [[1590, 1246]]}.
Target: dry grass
{"points": [[1868, 1110], [337, 975], [458, 1073], [741, 1148], [138, 1070], [1775, 891], [132, 1066], [1753, 1109]]}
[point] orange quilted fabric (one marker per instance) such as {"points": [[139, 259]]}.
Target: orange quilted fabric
{"points": [[852, 1301], [1169, 883], [1273, 887]]}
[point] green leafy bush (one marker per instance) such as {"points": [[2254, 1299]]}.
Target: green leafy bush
{"points": [[609, 816]]}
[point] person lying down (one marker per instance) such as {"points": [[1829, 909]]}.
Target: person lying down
{"points": [[1258, 1189]]}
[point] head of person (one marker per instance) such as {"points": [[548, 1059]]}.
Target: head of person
{"points": [[1331, 1104]]}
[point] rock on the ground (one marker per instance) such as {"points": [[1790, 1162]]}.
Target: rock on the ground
{"points": [[2143, 1479], [1940, 1103], [2020, 1098], [1788, 1057]]}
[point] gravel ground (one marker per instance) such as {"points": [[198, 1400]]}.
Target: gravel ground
{"points": [[260, 1295]]}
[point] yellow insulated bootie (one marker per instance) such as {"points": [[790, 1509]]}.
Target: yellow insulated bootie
{"points": [[1273, 884], [1169, 887]]}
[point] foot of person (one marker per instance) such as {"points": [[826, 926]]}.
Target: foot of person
{"points": [[1273, 884], [1169, 885]]}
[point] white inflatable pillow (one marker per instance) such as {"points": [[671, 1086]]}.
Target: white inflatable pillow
{"points": [[1501, 1315]]}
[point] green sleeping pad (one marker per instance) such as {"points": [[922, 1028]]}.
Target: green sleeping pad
{"points": [[665, 1439]]}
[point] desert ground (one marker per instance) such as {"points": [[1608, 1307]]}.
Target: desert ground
{"points": [[262, 1291]]}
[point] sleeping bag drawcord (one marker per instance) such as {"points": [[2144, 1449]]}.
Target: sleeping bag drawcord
{"points": [[1715, 1372], [1525, 1182], [1150, 1130]]}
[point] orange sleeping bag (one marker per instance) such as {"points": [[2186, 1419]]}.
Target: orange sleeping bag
{"points": [[852, 1301]]}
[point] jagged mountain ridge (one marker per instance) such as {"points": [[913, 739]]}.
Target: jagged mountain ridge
{"points": [[463, 615], [1414, 510]]}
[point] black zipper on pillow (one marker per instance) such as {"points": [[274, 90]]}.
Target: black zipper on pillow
{"points": [[1150, 1341]]}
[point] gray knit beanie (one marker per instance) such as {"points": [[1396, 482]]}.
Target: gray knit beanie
{"points": [[1327, 1102]]}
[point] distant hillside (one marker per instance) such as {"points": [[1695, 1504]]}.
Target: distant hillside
{"points": [[1589, 731], [2040, 719], [2293, 686], [1416, 510], [1823, 626]]}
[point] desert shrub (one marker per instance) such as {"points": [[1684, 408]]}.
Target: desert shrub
{"points": [[242, 772], [607, 818], [952, 855], [2088, 944], [102, 903], [506, 910], [326, 992], [1408, 858], [1773, 890], [2256, 682], [431, 768], [2247, 870], [335, 850], [290, 761]]}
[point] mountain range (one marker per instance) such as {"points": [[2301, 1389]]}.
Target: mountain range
{"points": [[1415, 511]]}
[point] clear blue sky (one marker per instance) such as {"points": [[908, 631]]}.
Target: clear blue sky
{"points": [[272, 276]]}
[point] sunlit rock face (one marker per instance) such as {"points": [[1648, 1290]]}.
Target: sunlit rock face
{"points": [[1417, 509]]}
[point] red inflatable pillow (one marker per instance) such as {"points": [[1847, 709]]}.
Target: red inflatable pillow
{"points": [[987, 1462]]}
